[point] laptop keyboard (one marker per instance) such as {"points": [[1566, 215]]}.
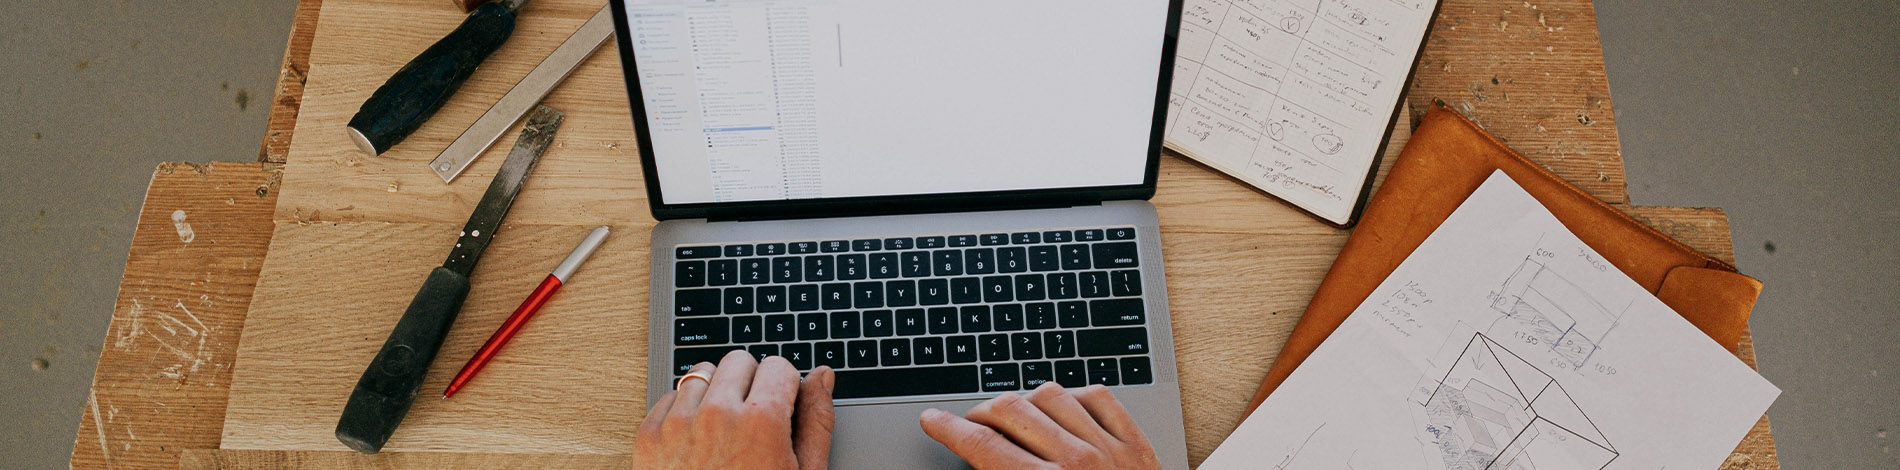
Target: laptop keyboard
{"points": [[922, 315]]}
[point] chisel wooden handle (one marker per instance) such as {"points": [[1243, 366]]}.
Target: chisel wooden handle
{"points": [[423, 85], [383, 395]]}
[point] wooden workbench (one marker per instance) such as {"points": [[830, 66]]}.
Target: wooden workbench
{"points": [[1531, 73]]}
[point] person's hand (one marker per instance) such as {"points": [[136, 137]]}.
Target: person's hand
{"points": [[742, 418], [1052, 428]]}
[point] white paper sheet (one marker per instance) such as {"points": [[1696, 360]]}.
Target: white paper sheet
{"points": [[1293, 96], [1504, 342]]}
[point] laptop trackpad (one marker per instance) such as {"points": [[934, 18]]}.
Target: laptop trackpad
{"points": [[889, 436]]}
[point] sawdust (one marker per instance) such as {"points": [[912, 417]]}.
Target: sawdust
{"points": [[40, 363]]}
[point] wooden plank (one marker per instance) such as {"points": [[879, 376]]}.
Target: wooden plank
{"points": [[290, 80], [165, 368], [211, 459]]}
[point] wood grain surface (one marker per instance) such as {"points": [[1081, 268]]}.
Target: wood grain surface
{"points": [[354, 234]]}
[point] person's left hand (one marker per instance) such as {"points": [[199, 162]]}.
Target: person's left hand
{"points": [[741, 418]]}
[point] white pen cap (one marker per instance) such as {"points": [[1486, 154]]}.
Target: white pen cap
{"points": [[580, 254]]}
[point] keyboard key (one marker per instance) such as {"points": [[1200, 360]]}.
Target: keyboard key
{"points": [[1062, 286], [851, 267], [689, 274], [722, 272], [747, 329], [802, 248], [1058, 344], [979, 261], [1072, 314], [781, 328], [762, 351], [927, 350], [959, 241], [895, 352], [1044, 258], [1007, 317], [867, 245], [877, 323], [930, 242], [770, 249], [943, 320], [695, 302], [960, 349], [998, 289], [1116, 312], [1135, 371], [1026, 346], [771, 299], [900, 243], [811, 326], [975, 318], [844, 325], [883, 265], [685, 358], [1126, 233], [1013, 259], [933, 292], [910, 322], [1030, 287], [701, 331], [1125, 283], [1075, 257], [819, 268], [1089, 235], [966, 290], [993, 347], [829, 354], [733, 251], [900, 293], [992, 239], [1094, 284], [1025, 238], [835, 296], [915, 263], [696, 252], [1056, 236], [1040, 315], [755, 271], [869, 294], [908, 381], [736, 299], [804, 297], [1001, 378], [1104, 371], [834, 246], [799, 354], [860, 354], [1035, 374], [1071, 374], [947, 262], [788, 269], [1112, 342], [1115, 255]]}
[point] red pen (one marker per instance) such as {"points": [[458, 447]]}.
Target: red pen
{"points": [[527, 309]]}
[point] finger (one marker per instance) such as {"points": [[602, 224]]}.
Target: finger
{"points": [[977, 444], [734, 377], [812, 423], [1056, 402], [691, 391], [1109, 411], [1015, 417], [775, 387], [656, 415]]}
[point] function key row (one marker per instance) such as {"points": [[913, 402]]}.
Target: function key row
{"points": [[903, 243], [905, 264]]}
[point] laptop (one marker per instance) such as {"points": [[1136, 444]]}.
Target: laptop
{"points": [[942, 201]]}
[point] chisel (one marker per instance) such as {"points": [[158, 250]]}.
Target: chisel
{"points": [[423, 85], [390, 383]]}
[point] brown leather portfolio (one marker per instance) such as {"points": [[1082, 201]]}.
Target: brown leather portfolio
{"points": [[1445, 161]]}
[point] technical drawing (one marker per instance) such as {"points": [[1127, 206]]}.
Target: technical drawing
{"points": [[1494, 410], [1539, 305]]}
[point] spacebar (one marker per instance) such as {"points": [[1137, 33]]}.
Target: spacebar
{"points": [[905, 382]]}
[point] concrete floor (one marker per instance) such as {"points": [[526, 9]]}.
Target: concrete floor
{"points": [[1783, 114]]}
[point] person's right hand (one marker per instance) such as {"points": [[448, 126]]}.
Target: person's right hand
{"points": [[1085, 428]]}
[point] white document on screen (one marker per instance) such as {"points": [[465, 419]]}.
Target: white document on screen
{"points": [[1504, 342]]}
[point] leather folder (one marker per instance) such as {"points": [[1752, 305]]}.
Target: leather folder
{"points": [[1445, 161]]}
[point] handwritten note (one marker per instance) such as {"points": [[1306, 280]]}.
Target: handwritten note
{"points": [[1293, 96], [1504, 342]]}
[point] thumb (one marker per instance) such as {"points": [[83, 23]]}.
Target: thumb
{"points": [[812, 420]]}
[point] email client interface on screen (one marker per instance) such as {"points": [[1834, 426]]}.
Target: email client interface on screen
{"points": [[760, 100]]}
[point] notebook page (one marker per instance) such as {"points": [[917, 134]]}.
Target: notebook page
{"points": [[1293, 96]]}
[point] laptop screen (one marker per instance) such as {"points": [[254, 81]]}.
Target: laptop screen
{"points": [[780, 100]]}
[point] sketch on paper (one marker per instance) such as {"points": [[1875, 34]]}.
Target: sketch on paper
{"points": [[1540, 307], [1492, 409]]}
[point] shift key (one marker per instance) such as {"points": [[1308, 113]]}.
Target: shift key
{"points": [[1112, 342]]}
